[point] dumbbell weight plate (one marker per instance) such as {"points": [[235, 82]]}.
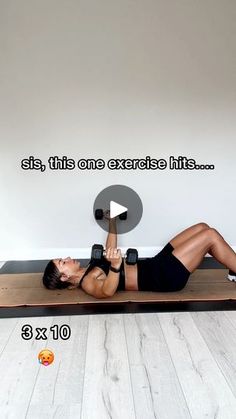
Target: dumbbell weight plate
{"points": [[123, 216], [131, 256], [97, 251], [99, 214]]}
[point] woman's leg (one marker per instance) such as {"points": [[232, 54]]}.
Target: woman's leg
{"points": [[189, 232], [192, 251], [186, 234]]}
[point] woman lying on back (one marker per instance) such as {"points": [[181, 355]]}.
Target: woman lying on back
{"points": [[168, 271]]}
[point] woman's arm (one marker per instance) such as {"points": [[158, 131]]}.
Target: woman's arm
{"points": [[100, 284], [111, 282], [112, 235]]}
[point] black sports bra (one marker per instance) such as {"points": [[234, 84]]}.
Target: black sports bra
{"points": [[105, 265]]}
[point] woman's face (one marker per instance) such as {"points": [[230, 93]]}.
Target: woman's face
{"points": [[67, 266]]}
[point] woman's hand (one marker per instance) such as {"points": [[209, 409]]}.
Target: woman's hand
{"points": [[107, 214], [113, 255]]}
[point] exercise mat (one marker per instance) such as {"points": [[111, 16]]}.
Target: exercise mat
{"points": [[26, 289]]}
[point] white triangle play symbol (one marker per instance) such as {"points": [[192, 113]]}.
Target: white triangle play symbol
{"points": [[116, 209]]}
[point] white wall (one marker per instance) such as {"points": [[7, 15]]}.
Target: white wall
{"points": [[107, 78]]}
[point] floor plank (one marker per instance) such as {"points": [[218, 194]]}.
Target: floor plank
{"points": [[44, 411], [19, 365], [219, 335], [154, 378], [205, 387], [107, 384], [62, 381]]}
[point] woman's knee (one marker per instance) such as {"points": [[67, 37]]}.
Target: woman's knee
{"points": [[211, 235], [214, 234], [203, 226], [210, 232], [207, 237]]}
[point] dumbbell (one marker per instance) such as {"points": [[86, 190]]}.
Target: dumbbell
{"points": [[99, 214], [131, 256]]}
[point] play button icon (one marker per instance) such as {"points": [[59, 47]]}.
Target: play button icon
{"points": [[116, 209], [124, 206]]}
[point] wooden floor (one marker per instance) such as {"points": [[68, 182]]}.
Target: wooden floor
{"points": [[152, 365]]}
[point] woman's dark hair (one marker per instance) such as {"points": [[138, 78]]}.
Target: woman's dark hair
{"points": [[51, 277]]}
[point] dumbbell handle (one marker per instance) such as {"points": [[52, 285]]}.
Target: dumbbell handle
{"points": [[100, 214], [123, 255], [131, 255]]}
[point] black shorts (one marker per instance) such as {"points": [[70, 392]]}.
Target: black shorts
{"points": [[168, 273], [171, 274]]}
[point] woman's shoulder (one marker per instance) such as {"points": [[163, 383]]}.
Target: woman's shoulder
{"points": [[93, 270], [93, 282]]}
